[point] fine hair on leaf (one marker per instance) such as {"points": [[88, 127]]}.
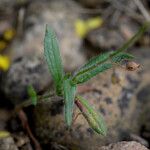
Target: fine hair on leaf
{"points": [[52, 55]]}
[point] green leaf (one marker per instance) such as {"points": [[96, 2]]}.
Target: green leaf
{"points": [[32, 94], [94, 119], [131, 41], [97, 65], [94, 66], [97, 60], [88, 74], [121, 56], [52, 55], [69, 95]]}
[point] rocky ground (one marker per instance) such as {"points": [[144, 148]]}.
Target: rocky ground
{"points": [[124, 104]]}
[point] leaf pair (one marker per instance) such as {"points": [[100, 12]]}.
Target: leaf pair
{"points": [[98, 65]]}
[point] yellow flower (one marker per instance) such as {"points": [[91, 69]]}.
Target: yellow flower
{"points": [[94, 23], [83, 27], [9, 34], [4, 63], [4, 134]]}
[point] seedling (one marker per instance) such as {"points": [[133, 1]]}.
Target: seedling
{"points": [[66, 84]]}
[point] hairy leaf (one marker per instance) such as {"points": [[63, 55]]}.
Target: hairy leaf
{"points": [[32, 94], [88, 74], [52, 55], [69, 95], [97, 60], [94, 119], [121, 56]]}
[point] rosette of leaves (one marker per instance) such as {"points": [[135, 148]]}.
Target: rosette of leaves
{"points": [[66, 84]]}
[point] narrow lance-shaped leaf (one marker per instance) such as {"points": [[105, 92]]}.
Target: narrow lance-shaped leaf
{"points": [[97, 60], [94, 119], [131, 41], [69, 95], [32, 94], [52, 55], [94, 66], [98, 65], [121, 56], [88, 74]]}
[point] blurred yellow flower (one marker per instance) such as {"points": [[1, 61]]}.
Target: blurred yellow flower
{"points": [[83, 27], [4, 63], [9, 34], [94, 23], [4, 134]]}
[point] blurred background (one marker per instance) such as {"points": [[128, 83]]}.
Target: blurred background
{"points": [[84, 29]]}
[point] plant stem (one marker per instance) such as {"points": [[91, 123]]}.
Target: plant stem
{"points": [[41, 98], [130, 42]]}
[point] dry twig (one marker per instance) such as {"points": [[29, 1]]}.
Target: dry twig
{"points": [[142, 9]]}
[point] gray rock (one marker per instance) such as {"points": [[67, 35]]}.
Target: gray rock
{"points": [[143, 97], [25, 71], [141, 140], [7, 143], [22, 141], [124, 146], [113, 36], [105, 38]]}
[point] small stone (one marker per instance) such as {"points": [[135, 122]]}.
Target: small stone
{"points": [[7, 143], [139, 139], [124, 146]]}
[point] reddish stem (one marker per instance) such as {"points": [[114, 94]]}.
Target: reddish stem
{"points": [[25, 124]]}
